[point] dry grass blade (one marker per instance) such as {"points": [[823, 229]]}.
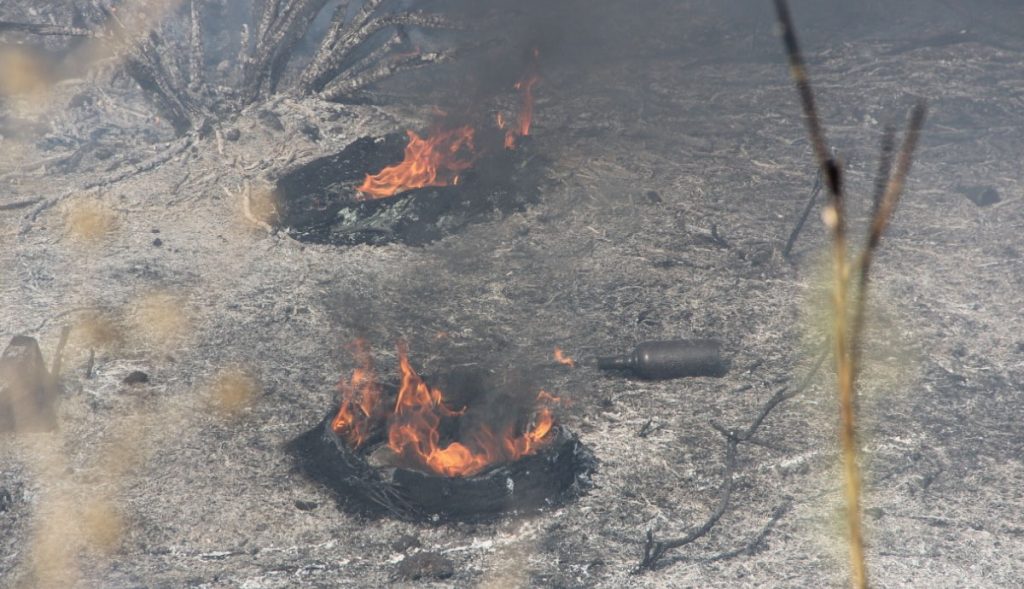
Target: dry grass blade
{"points": [[894, 188], [884, 168], [798, 71], [835, 219], [887, 195], [847, 329]]}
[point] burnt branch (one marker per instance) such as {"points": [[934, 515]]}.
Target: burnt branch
{"points": [[146, 66], [280, 25], [377, 55], [165, 55], [46, 29], [655, 550], [197, 54], [344, 39], [155, 67], [811, 200], [757, 542], [346, 87]]}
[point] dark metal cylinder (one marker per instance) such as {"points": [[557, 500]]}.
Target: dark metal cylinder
{"points": [[670, 359]]}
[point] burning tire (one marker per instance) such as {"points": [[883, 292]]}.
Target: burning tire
{"points": [[553, 476]]}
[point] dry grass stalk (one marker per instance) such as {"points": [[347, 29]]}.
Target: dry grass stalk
{"points": [[848, 328]]}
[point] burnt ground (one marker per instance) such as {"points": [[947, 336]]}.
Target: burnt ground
{"points": [[673, 184]]}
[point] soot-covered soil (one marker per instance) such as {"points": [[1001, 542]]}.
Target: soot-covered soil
{"points": [[673, 184]]}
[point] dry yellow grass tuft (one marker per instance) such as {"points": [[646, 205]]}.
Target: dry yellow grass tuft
{"points": [[102, 526], [89, 220], [21, 72], [96, 330], [161, 319], [53, 550], [233, 391], [260, 205]]}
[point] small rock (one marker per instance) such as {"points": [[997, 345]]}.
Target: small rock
{"points": [[6, 500], [405, 542], [311, 131], [233, 134], [982, 196], [136, 377], [306, 505], [382, 457], [654, 197], [760, 255], [158, 242], [271, 120], [80, 100], [426, 565]]}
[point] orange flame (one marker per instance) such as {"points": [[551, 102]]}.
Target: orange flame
{"points": [[525, 88], [360, 399], [414, 426], [436, 160], [561, 358]]}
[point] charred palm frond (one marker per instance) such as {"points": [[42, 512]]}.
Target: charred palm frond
{"points": [[345, 37], [279, 25], [45, 29], [160, 45], [346, 86], [156, 66]]}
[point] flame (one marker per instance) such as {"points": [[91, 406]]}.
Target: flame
{"points": [[415, 424], [525, 88], [436, 160], [561, 358], [522, 127], [360, 399]]}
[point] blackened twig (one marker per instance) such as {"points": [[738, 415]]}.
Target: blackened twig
{"points": [[757, 542], [20, 204], [811, 200], [58, 356], [654, 550], [648, 428], [197, 54], [91, 363]]}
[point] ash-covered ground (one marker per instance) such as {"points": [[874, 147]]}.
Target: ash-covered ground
{"points": [[678, 167]]}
